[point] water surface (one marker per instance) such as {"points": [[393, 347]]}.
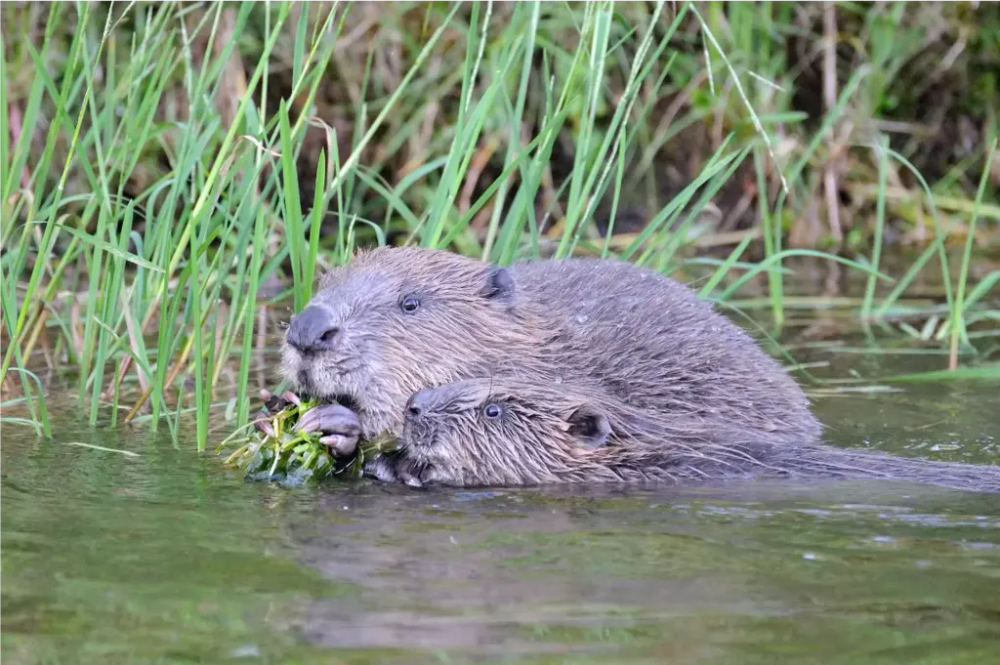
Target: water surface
{"points": [[167, 557]]}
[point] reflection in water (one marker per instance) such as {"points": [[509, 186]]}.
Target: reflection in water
{"points": [[713, 571], [168, 557]]}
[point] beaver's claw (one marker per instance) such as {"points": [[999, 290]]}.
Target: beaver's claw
{"points": [[272, 405], [339, 426], [275, 403]]}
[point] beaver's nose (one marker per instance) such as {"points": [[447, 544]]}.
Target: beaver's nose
{"points": [[311, 330], [418, 403]]}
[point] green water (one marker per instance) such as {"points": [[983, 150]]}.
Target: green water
{"points": [[167, 557]]}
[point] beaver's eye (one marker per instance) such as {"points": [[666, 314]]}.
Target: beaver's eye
{"points": [[410, 304], [493, 411]]}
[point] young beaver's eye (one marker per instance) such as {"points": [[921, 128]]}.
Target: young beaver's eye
{"points": [[493, 411], [410, 304]]}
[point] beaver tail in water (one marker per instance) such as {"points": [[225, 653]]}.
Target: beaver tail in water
{"points": [[845, 463]]}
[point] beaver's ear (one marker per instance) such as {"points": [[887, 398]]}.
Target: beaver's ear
{"points": [[327, 280], [499, 284], [589, 426]]}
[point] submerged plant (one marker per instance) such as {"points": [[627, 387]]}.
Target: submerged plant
{"points": [[281, 453]]}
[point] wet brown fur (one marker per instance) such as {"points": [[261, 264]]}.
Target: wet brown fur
{"points": [[549, 433], [647, 342]]}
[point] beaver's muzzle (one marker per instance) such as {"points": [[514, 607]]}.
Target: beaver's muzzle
{"points": [[416, 425], [419, 404], [312, 330]]}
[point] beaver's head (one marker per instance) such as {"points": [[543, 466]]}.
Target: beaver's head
{"points": [[483, 432], [396, 320]]}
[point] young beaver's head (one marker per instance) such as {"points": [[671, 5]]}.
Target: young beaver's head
{"points": [[396, 320], [504, 432]]}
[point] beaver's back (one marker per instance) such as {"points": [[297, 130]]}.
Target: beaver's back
{"points": [[653, 343]]}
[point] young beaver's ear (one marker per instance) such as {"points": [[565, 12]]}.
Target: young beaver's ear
{"points": [[589, 426], [499, 284]]}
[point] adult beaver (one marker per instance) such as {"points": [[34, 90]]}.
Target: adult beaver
{"points": [[396, 320], [505, 432]]}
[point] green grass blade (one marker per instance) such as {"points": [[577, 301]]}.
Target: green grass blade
{"points": [[958, 308]]}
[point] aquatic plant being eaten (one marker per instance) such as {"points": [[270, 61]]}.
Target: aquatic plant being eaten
{"points": [[279, 452]]}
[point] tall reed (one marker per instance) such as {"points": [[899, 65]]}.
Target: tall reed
{"points": [[152, 178]]}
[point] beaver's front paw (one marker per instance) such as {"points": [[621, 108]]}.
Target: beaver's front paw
{"points": [[339, 427], [382, 468], [273, 404], [394, 467]]}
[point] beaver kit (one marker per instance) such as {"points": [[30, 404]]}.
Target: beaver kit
{"points": [[483, 432], [665, 387]]}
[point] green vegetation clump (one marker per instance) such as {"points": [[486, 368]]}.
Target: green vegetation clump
{"points": [[282, 453]]}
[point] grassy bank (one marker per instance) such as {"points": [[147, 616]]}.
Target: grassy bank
{"points": [[168, 169]]}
